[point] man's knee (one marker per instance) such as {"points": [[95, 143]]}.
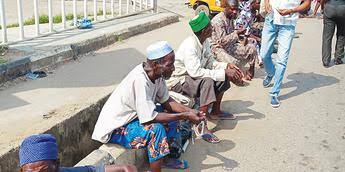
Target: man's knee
{"points": [[207, 82], [251, 50], [156, 128]]}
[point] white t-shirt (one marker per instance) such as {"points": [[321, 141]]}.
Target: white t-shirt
{"points": [[135, 97], [284, 4]]}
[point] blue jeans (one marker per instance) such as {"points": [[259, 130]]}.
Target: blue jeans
{"points": [[284, 34]]}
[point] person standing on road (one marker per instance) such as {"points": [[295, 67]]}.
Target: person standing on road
{"points": [[334, 17], [280, 23]]}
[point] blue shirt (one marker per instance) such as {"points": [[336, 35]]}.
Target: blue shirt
{"points": [[82, 169]]}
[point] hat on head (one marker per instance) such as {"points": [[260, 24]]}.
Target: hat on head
{"points": [[37, 148], [158, 50], [199, 22]]}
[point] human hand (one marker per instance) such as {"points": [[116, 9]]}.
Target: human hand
{"points": [[234, 75], [193, 117], [240, 30], [285, 12], [232, 66]]}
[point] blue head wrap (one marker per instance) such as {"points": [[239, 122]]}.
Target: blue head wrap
{"points": [[37, 148]]}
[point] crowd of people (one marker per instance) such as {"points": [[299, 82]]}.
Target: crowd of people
{"points": [[141, 113]]}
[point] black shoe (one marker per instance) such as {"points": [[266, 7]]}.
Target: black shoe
{"points": [[338, 61], [326, 65]]}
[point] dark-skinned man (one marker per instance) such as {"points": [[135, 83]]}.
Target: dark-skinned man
{"points": [[198, 75], [226, 43], [129, 117], [39, 153]]}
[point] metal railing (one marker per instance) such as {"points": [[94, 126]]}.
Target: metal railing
{"points": [[118, 9]]}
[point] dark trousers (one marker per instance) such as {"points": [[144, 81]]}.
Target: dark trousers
{"points": [[206, 89], [334, 18]]}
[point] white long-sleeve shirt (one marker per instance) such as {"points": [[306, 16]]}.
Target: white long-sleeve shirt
{"points": [[195, 60]]}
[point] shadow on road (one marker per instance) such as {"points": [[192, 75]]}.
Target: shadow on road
{"points": [[237, 107], [197, 153], [304, 82]]}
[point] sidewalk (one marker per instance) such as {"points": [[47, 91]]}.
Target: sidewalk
{"points": [[60, 47], [306, 133], [24, 114]]}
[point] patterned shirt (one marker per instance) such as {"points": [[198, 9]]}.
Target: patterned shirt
{"points": [[223, 35]]}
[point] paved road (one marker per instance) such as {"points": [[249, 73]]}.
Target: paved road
{"points": [[307, 133]]}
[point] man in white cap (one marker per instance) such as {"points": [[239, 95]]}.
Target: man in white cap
{"points": [[130, 118]]}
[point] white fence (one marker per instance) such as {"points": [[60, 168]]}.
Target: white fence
{"points": [[118, 9]]}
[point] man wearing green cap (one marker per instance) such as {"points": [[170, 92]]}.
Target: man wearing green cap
{"points": [[198, 75], [226, 44]]}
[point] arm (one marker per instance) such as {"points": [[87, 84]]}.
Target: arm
{"points": [[195, 70], [322, 2], [305, 5], [220, 36], [172, 106]]}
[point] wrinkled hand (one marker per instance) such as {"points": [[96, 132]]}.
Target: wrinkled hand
{"points": [[240, 31], [285, 12], [234, 75], [232, 66], [193, 117]]}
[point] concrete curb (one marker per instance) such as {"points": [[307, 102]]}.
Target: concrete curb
{"points": [[115, 154], [60, 54], [74, 143], [73, 136]]}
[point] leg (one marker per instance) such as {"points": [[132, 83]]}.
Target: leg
{"points": [[222, 55], [327, 36], [269, 34], [245, 54], [220, 88], [136, 136], [201, 88], [156, 166], [285, 37], [339, 47]]}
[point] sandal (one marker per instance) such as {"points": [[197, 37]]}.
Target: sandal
{"points": [[222, 116], [208, 137], [175, 164], [211, 138]]}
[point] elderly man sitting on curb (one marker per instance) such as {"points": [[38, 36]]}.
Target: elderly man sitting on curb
{"points": [[226, 43], [130, 117], [199, 75], [39, 153]]}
